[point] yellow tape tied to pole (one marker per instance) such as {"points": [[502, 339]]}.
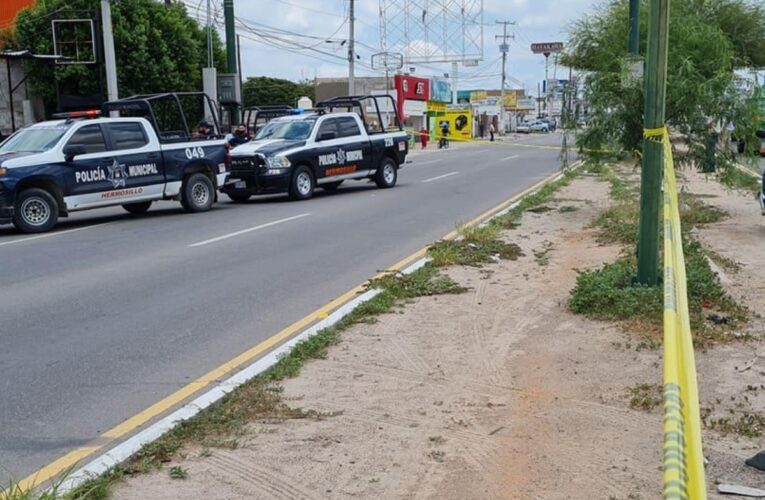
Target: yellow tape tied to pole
{"points": [[683, 458]]}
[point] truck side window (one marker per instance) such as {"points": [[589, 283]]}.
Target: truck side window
{"points": [[90, 138], [348, 127], [127, 135], [329, 125]]}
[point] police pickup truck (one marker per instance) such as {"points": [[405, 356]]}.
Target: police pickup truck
{"points": [[53, 168], [323, 147]]}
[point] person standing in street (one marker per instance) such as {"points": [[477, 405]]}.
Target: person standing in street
{"points": [[481, 129], [424, 137], [491, 131]]}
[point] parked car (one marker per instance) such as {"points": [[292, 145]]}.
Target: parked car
{"points": [[533, 126], [82, 161], [321, 148]]}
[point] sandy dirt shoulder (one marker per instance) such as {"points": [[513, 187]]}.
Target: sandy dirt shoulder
{"points": [[500, 392]]}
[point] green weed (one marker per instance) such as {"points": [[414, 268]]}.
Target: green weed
{"points": [[645, 396]]}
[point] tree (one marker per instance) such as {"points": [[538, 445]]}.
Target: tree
{"points": [[158, 48], [709, 40], [263, 90]]}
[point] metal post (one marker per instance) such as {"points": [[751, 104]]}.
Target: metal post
{"points": [[109, 58], [653, 157], [351, 51], [10, 94], [634, 32], [231, 58]]}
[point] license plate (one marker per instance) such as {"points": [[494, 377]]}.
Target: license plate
{"points": [[240, 185]]}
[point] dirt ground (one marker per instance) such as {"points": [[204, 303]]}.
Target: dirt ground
{"points": [[496, 393]]}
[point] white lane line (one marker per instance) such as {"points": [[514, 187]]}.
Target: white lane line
{"points": [[245, 231], [440, 177], [416, 163], [510, 158], [57, 233]]}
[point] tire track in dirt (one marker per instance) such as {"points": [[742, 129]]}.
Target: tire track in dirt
{"points": [[270, 482]]}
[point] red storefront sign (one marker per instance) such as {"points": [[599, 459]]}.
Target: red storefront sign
{"points": [[410, 88]]}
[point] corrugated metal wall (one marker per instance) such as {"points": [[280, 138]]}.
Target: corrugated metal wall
{"points": [[9, 9]]}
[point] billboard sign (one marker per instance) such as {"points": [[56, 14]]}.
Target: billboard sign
{"points": [[440, 90], [546, 47], [526, 103]]}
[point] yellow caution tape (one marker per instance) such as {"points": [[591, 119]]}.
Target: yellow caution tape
{"points": [[683, 458]]}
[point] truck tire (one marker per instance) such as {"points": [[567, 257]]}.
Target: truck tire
{"points": [[331, 186], [36, 211], [301, 184], [140, 207], [197, 193], [387, 173], [238, 197]]}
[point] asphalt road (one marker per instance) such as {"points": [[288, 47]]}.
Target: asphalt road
{"points": [[113, 312]]}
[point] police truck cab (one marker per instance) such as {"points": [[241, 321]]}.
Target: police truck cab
{"points": [[345, 138], [53, 168]]}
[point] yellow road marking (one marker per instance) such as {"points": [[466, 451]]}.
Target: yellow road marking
{"points": [[68, 461]]}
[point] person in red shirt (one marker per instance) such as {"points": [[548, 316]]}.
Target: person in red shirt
{"points": [[424, 137]]}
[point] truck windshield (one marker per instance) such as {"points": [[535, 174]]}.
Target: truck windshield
{"points": [[288, 129], [32, 140]]}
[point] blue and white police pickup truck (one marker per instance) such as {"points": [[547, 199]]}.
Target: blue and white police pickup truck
{"points": [[53, 168], [322, 147]]}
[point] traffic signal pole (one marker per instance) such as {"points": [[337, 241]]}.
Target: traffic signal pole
{"points": [[653, 155]]}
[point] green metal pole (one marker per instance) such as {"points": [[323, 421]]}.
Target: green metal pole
{"points": [[634, 35], [653, 157], [228, 14]]}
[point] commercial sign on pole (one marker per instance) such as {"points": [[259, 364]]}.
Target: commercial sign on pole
{"points": [[546, 47], [440, 90]]}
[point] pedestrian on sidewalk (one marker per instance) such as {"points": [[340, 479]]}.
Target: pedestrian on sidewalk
{"points": [[481, 129], [491, 131], [424, 137]]}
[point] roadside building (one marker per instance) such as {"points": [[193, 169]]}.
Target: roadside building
{"points": [[22, 108]]}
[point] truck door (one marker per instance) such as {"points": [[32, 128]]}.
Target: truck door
{"points": [[342, 150], [88, 173], [135, 151]]}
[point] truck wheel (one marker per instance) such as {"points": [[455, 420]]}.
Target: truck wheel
{"points": [[238, 197], [198, 193], [36, 211], [137, 208], [387, 173], [302, 184], [331, 186]]}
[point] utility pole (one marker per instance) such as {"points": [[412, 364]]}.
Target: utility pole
{"points": [[209, 35], [503, 48], [547, 83], [109, 58], [231, 52], [634, 32], [653, 151], [351, 51]]}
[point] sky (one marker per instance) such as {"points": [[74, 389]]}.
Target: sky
{"points": [[301, 28]]}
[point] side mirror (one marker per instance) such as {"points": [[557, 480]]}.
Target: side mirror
{"points": [[761, 134], [327, 136], [70, 151]]}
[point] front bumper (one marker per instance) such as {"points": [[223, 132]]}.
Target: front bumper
{"points": [[255, 183]]}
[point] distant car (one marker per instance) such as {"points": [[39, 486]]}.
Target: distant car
{"points": [[533, 126], [551, 125]]}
